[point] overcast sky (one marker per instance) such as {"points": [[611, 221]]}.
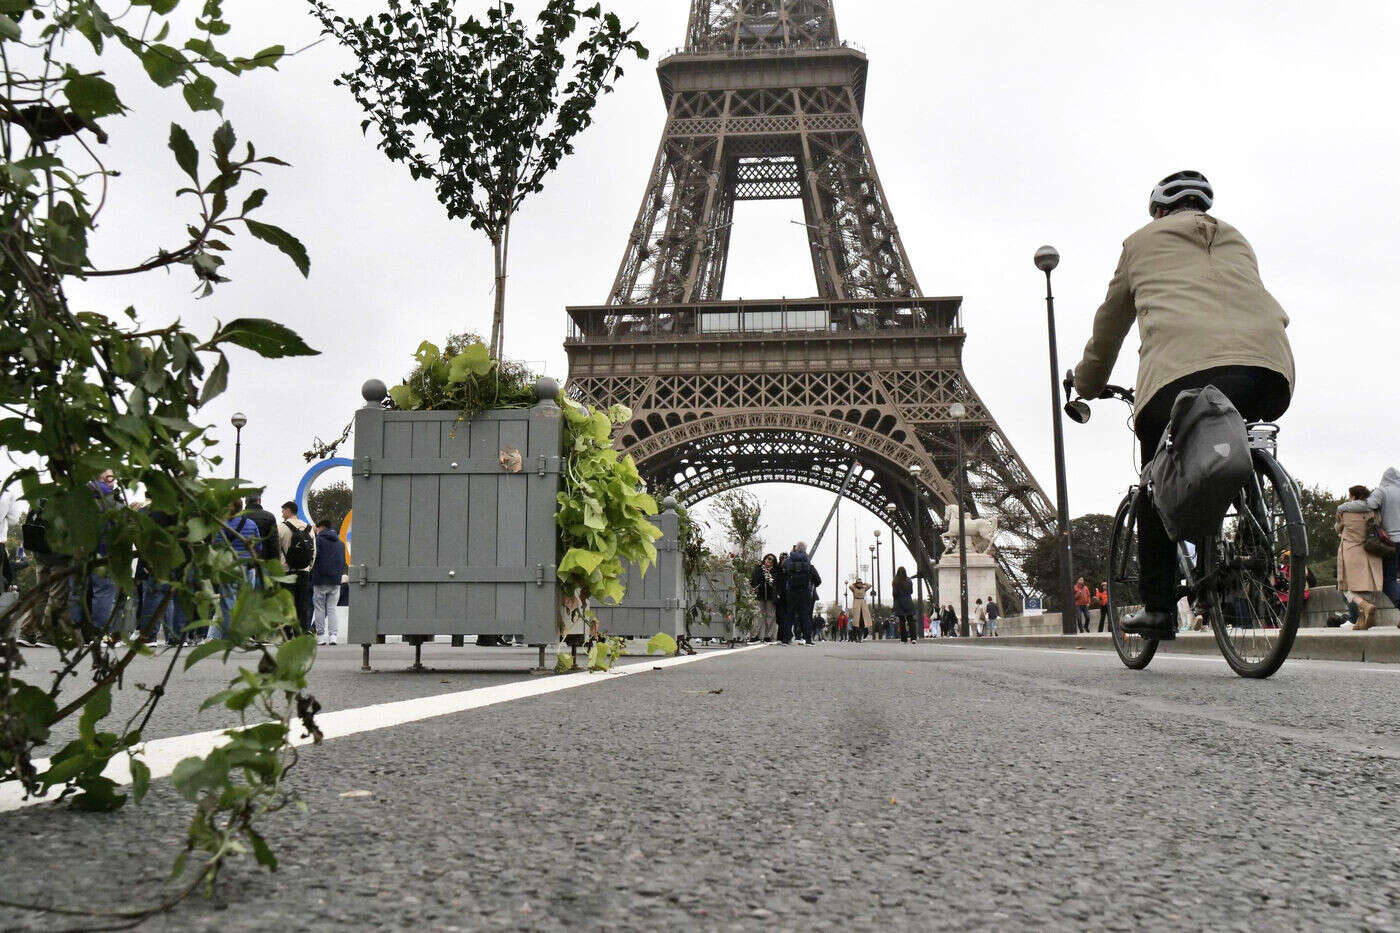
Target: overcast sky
{"points": [[996, 127]]}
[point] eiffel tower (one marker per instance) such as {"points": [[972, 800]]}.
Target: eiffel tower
{"points": [[844, 391]]}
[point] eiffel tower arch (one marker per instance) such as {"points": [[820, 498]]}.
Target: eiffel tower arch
{"points": [[766, 102]]}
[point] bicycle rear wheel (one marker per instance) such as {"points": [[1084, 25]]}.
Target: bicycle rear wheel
{"points": [[1256, 572], [1124, 586]]}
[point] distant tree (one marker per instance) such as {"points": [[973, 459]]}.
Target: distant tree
{"points": [[480, 106], [1090, 538], [740, 517], [1320, 519], [331, 502]]}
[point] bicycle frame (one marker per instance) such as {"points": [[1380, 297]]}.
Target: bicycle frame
{"points": [[1253, 494]]}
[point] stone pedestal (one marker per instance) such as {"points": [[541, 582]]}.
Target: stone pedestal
{"points": [[981, 581]]}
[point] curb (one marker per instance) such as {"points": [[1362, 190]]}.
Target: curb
{"points": [[1373, 647]]}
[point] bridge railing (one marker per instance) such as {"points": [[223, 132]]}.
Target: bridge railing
{"points": [[720, 320]]}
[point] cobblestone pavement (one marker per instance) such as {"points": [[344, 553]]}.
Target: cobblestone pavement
{"points": [[933, 787]]}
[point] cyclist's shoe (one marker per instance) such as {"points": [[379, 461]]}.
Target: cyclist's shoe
{"points": [[1159, 626]]}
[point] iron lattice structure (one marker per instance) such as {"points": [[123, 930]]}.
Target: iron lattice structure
{"points": [[766, 102]]}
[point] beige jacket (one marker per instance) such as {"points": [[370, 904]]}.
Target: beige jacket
{"points": [[1192, 284], [284, 538], [1357, 571]]}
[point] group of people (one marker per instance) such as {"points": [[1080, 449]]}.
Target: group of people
{"points": [[786, 589], [314, 559], [1368, 562], [1086, 600]]}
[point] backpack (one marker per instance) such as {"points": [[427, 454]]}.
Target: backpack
{"points": [[300, 551], [35, 532], [1201, 464], [799, 575]]}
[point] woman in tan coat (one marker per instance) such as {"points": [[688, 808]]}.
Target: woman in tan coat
{"points": [[1358, 572], [860, 612]]}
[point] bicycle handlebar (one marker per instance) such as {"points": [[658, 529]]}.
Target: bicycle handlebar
{"points": [[1078, 409]]}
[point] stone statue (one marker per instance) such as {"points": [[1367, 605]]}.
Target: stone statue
{"points": [[981, 532]]}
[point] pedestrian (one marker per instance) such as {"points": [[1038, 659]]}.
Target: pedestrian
{"points": [[1359, 573], [241, 535], [979, 616], [1082, 597], [950, 622], [993, 614], [801, 580], [860, 612], [764, 581], [9, 514], [296, 546], [94, 601], [9, 573], [156, 599], [902, 590], [266, 524], [782, 605], [1385, 499], [843, 621], [327, 571], [1101, 598]]}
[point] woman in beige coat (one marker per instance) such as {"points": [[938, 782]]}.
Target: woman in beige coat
{"points": [[860, 612], [1358, 572]]}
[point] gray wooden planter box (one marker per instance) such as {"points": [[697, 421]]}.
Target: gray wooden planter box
{"points": [[656, 602], [717, 591], [447, 540]]}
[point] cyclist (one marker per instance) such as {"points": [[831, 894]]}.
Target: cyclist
{"points": [[1192, 283]]}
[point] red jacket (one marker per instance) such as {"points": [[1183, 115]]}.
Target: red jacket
{"points": [[1081, 594]]}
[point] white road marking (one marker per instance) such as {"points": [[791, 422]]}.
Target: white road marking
{"points": [[162, 755], [1359, 666]]}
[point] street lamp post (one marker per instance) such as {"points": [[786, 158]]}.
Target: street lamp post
{"points": [[958, 411], [916, 471], [878, 571], [1046, 259], [874, 578], [238, 421]]}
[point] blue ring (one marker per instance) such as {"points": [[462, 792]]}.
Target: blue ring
{"points": [[310, 477]]}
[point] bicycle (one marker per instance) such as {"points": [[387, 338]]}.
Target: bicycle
{"points": [[1248, 581]]}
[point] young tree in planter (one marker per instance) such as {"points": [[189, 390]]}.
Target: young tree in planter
{"points": [[740, 516], [82, 393], [482, 107]]}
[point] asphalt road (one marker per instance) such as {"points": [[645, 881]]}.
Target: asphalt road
{"points": [[933, 787]]}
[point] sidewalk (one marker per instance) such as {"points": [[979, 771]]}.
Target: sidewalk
{"points": [[1376, 646]]}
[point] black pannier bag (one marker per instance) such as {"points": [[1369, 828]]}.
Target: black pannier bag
{"points": [[1201, 464]]}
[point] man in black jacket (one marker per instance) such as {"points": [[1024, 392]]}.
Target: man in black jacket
{"points": [[266, 524], [800, 579]]}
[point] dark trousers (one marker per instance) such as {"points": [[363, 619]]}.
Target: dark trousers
{"points": [[906, 626], [799, 620], [1390, 569], [1103, 618], [301, 596], [1260, 395]]}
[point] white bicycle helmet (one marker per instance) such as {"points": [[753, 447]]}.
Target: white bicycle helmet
{"points": [[1174, 189]]}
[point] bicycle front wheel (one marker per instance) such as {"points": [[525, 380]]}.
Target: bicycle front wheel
{"points": [[1256, 570], [1124, 586]]}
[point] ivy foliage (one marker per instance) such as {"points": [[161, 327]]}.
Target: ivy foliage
{"points": [[82, 392], [603, 508], [463, 377]]}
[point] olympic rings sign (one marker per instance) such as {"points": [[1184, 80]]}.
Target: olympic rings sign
{"points": [[304, 487]]}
